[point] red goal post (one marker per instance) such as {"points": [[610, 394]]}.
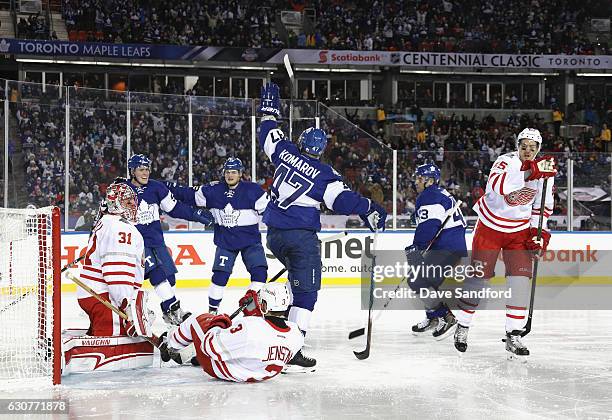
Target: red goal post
{"points": [[30, 294]]}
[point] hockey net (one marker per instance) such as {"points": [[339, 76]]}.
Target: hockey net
{"points": [[30, 289]]}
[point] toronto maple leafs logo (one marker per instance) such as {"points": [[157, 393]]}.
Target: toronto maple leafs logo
{"points": [[229, 193], [4, 46], [147, 213], [229, 216], [520, 197]]}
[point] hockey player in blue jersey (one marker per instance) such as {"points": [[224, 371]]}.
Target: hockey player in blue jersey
{"points": [[301, 184], [236, 206], [432, 207], [154, 197]]}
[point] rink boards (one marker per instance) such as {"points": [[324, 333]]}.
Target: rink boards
{"points": [[586, 253]]}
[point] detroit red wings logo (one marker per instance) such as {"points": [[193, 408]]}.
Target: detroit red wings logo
{"points": [[520, 197]]}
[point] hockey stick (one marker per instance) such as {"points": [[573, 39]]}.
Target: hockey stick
{"points": [[534, 274], [153, 339], [360, 331], [365, 353], [292, 85], [324, 240]]}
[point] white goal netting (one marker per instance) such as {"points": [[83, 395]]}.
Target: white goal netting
{"points": [[27, 292]]}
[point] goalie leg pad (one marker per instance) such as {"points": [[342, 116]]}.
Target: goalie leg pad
{"points": [[140, 317], [84, 353], [102, 321]]}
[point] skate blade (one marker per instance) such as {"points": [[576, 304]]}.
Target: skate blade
{"points": [[289, 369], [447, 334]]}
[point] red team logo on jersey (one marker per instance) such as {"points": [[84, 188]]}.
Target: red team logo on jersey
{"points": [[520, 197]]}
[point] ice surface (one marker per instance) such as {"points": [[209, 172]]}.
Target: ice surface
{"points": [[568, 375]]}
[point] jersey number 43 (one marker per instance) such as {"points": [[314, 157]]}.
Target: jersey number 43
{"points": [[288, 186]]}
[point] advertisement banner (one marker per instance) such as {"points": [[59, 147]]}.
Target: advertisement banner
{"points": [[302, 56], [193, 254]]}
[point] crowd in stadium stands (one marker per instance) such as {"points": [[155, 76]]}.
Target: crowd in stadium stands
{"points": [[492, 26], [235, 23], [34, 27], [462, 146]]}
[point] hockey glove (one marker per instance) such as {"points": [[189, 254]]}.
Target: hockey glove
{"points": [[543, 167], [414, 256], [270, 100], [375, 218], [538, 247], [208, 321], [140, 317], [251, 300], [171, 184], [203, 216]]}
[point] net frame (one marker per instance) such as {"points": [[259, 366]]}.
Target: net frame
{"points": [[39, 234]]}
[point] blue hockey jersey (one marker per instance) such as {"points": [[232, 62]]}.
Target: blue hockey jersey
{"points": [[301, 184], [153, 198], [236, 211], [432, 206]]}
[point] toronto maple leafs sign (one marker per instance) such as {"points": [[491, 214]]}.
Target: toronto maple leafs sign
{"points": [[94, 49]]}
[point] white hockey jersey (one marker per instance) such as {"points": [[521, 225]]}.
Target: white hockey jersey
{"points": [[253, 349], [511, 204], [113, 262]]}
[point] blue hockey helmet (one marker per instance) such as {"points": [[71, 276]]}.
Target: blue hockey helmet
{"points": [[233, 163], [428, 170], [137, 161], [312, 141]]}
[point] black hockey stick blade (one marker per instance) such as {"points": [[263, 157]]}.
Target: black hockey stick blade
{"points": [[362, 355], [357, 333]]}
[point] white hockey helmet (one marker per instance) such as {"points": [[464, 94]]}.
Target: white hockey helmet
{"points": [[276, 296], [121, 200], [529, 134]]}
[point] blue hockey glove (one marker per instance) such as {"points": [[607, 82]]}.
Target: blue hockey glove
{"points": [[414, 256], [270, 100], [203, 216], [171, 184], [375, 217]]}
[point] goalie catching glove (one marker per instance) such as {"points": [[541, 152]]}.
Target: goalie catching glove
{"points": [[543, 167], [538, 247], [140, 317]]}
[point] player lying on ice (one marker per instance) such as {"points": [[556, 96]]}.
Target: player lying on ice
{"points": [[112, 268], [508, 218], [255, 348]]}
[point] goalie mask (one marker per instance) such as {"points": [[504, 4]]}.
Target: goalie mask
{"points": [[276, 296], [121, 200]]}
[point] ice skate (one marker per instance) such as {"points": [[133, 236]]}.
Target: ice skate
{"points": [[425, 325], [300, 363], [461, 334], [515, 347], [444, 327], [175, 315]]}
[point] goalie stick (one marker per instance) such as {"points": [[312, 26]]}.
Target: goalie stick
{"points": [[292, 87], [361, 331]]}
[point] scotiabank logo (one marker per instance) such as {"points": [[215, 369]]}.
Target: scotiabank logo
{"points": [[348, 57], [323, 56]]}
